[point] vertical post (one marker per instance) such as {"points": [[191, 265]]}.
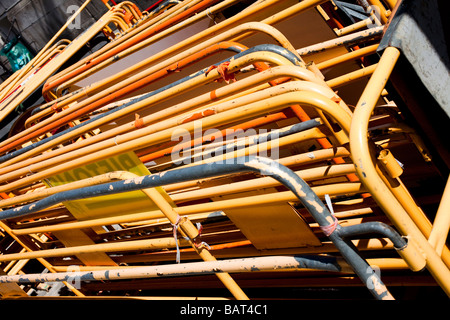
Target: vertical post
{"points": [[369, 176]]}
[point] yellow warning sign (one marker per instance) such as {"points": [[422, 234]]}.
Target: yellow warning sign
{"points": [[109, 205]]}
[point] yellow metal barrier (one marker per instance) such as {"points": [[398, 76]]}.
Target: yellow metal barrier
{"points": [[181, 107]]}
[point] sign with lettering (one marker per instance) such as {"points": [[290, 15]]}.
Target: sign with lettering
{"points": [[108, 205]]}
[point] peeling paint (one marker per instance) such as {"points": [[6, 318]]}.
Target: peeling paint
{"points": [[330, 219], [268, 170], [138, 180], [376, 284], [317, 206]]}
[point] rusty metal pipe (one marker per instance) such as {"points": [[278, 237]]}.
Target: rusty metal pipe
{"points": [[118, 91]]}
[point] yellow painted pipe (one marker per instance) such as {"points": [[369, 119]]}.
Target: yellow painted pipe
{"points": [[348, 57], [380, 10], [148, 21], [310, 157], [148, 244], [34, 82], [19, 78], [260, 148], [441, 224], [96, 89], [133, 142], [27, 197], [364, 35], [369, 176], [199, 80], [382, 263], [277, 197], [260, 183], [298, 159], [263, 77], [351, 76], [192, 232], [266, 182], [142, 64], [247, 28], [186, 227], [271, 198], [200, 37], [363, 245], [31, 64], [353, 27], [255, 9]]}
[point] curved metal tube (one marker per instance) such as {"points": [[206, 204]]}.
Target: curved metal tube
{"points": [[246, 27], [38, 57], [369, 176], [101, 62], [374, 227], [141, 138], [206, 34], [150, 77], [33, 83], [184, 224], [146, 23], [261, 165]]}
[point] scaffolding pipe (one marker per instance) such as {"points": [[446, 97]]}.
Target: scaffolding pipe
{"points": [[44, 262], [251, 27], [347, 57], [134, 40], [184, 225], [33, 63], [162, 93], [148, 244], [77, 75]]}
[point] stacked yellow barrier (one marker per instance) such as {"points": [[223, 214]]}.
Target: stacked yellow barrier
{"points": [[194, 84]]}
